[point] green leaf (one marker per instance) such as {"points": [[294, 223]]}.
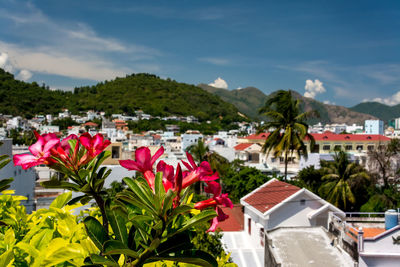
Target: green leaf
{"points": [[95, 231], [7, 258], [5, 162], [60, 184], [191, 256], [203, 216], [181, 210], [42, 239], [141, 192], [168, 199], [115, 247], [175, 243], [118, 222], [96, 259], [5, 183], [129, 197], [61, 200], [158, 185]]}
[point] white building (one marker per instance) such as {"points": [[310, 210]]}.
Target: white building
{"points": [[374, 127], [24, 180], [189, 139], [49, 129]]}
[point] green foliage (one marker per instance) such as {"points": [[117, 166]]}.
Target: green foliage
{"points": [[47, 237], [20, 137], [341, 178], [64, 123], [240, 180], [310, 178], [146, 92], [4, 183], [287, 125]]}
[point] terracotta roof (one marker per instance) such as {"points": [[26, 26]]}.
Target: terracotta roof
{"points": [[258, 136], [368, 232], [156, 136], [242, 146], [270, 194], [329, 136], [91, 124], [235, 222]]}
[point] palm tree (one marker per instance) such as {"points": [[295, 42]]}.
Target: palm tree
{"points": [[340, 178], [201, 152], [287, 126]]}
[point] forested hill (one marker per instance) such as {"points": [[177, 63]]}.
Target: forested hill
{"points": [[250, 99], [382, 111], [147, 92], [27, 99]]}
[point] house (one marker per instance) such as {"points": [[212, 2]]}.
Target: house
{"points": [[274, 213], [249, 153], [374, 127], [279, 204]]}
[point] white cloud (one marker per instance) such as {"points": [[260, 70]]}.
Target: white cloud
{"points": [[327, 102], [219, 83], [24, 75], [71, 49], [5, 63], [390, 101], [313, 88]]}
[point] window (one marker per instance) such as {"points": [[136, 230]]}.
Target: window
{"points": [[337, 147], [249, 225], [302, 202], [326, 147], [115, 152], [370, 147], [348, 147], [262, 236], [360, 147]]}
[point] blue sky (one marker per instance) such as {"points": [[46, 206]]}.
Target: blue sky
{"points": [[341, 52]]}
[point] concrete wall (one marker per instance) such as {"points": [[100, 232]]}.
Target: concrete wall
{"points": [[294, 213]]}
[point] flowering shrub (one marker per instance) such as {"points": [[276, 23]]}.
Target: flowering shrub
{"points": [[150, 221]]}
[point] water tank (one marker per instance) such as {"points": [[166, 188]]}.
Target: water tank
{"points": [[391, 219]]}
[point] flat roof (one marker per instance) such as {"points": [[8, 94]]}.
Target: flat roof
{"points": [[306, 246]]}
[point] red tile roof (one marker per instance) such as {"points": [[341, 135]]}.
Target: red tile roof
{"points": [[329, 136], [242, 146], [267, 196], [93, 124], [235, 222], [368, 232]]}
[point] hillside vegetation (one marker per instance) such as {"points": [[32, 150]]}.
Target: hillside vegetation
{"points": [[146, 92]]}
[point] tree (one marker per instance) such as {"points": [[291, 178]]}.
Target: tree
{"points": [[287, 126], [340, 178], [381, 161]]}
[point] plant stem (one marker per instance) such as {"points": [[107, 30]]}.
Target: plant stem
{"points": [[100, 202]]}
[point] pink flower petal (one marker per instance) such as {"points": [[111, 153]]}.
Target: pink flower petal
{"points": [[85, 139], [213, 188], [50, 144], [187, 165], [159, 152], [143, 158], [130, 165], [26, 161], [97, 141], [191, 161], [37, 147]]}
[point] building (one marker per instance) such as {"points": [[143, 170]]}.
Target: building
{"points": [[374, 127], [190, 138], [24, 180]]}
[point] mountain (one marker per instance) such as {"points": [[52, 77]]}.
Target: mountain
{"points": [[382, 111], [153, 95], [249, 100]]}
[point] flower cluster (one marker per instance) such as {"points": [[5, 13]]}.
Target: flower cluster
{"points": [[177, 180], [52, 151]]}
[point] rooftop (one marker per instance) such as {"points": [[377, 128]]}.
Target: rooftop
{"points": [[235, 222], [329, 136], [270, 194]]}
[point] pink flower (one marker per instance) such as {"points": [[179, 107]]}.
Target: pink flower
{"points": [[62, 152], [217, 199], [221, 216], [197, 173], [40, 152], [144, 163], [168, 174], [94, 145]]}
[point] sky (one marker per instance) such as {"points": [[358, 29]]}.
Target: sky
{"points": [[338, 52]]}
